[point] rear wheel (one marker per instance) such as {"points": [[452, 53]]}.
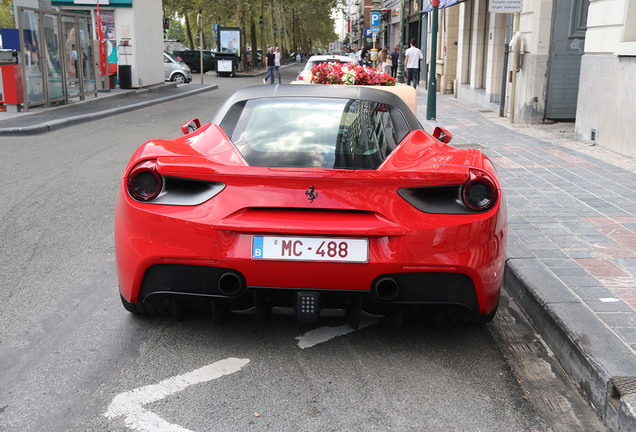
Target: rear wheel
{"points": [[178, 78]]}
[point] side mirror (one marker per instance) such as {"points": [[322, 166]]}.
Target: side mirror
{"points": [[190, 126], [442, 134]]}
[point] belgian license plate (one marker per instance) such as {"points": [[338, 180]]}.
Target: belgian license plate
{"points": [[310, 249]]}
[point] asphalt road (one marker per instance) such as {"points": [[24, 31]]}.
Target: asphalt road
{"points": [[71, 358]]}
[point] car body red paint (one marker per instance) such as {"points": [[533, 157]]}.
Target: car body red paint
{"points": [[425, 253]]}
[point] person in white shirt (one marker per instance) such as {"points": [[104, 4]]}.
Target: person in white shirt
{"points": [[412, 59], [277, 62], [74, 58]]}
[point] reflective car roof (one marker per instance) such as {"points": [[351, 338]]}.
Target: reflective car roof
{"points": [[368, 93]]}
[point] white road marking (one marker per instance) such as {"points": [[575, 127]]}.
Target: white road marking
{"points": [[130, 404], [323, 334], [609, 300]]}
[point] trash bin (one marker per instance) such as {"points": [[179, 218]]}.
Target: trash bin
{"points": [[226, 64], [125, 77]]}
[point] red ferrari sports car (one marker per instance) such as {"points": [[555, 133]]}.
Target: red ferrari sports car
{"points": [[313, 201]]}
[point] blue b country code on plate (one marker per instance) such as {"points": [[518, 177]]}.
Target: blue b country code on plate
{"points": [[310, 249]]}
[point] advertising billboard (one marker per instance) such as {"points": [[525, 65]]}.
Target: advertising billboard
{"points": [[229, 40]]}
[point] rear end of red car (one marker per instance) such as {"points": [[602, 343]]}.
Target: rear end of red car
{"points": [[413, 226]]}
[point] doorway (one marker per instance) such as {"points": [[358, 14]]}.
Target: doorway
{"points": [[566, 49]]}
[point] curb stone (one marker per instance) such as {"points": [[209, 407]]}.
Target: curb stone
{"points": [[578, 339]]}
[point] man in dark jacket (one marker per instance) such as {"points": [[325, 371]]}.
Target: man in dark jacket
{"points": [[270, 59], [395, 57]]}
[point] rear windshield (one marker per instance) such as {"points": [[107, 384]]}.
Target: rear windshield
{"points": [[317, 133]]}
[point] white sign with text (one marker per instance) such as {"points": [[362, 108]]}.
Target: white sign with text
{"points": [[505, 6]]}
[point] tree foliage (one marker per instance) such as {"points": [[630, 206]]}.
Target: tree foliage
{"points": [[6, 16], [177, 31], [300, 24]]}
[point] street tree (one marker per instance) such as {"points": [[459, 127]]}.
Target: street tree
{"points": [[290, 24]]}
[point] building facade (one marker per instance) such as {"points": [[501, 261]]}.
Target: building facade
{"points": [[555, 60], [392, 27], [608, 68], [567, 58]]}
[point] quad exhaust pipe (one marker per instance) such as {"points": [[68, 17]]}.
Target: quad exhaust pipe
{"points": [[230, 284], [386, 289]]}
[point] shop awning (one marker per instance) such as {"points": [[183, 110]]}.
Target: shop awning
{"points": [[442, 4]]}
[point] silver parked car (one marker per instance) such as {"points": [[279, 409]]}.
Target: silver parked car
{"points": [[175, 70]]}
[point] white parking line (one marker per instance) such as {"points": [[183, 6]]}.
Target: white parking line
{"points": [[130, 404]]}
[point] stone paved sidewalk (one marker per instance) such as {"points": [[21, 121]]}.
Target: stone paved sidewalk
{"points": [[570, 205]]}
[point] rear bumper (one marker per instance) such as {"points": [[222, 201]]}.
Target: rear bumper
{"points": [[207, 289], [200, 284], [174, 252]]}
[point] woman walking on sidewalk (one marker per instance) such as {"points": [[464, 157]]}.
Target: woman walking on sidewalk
{"points": [[386, 62]]}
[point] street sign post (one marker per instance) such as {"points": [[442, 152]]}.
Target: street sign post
{"points": [[431, 98], [375, 22]]}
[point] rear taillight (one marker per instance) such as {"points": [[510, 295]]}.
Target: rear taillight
{"points": [[479, 193], [144, 183]]}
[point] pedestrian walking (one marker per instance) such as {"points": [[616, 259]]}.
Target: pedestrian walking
{"points": [[74, 59], [386, 62], [277, 64], [269, 62], [359, 56], [395, 58], [412, 59]]}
